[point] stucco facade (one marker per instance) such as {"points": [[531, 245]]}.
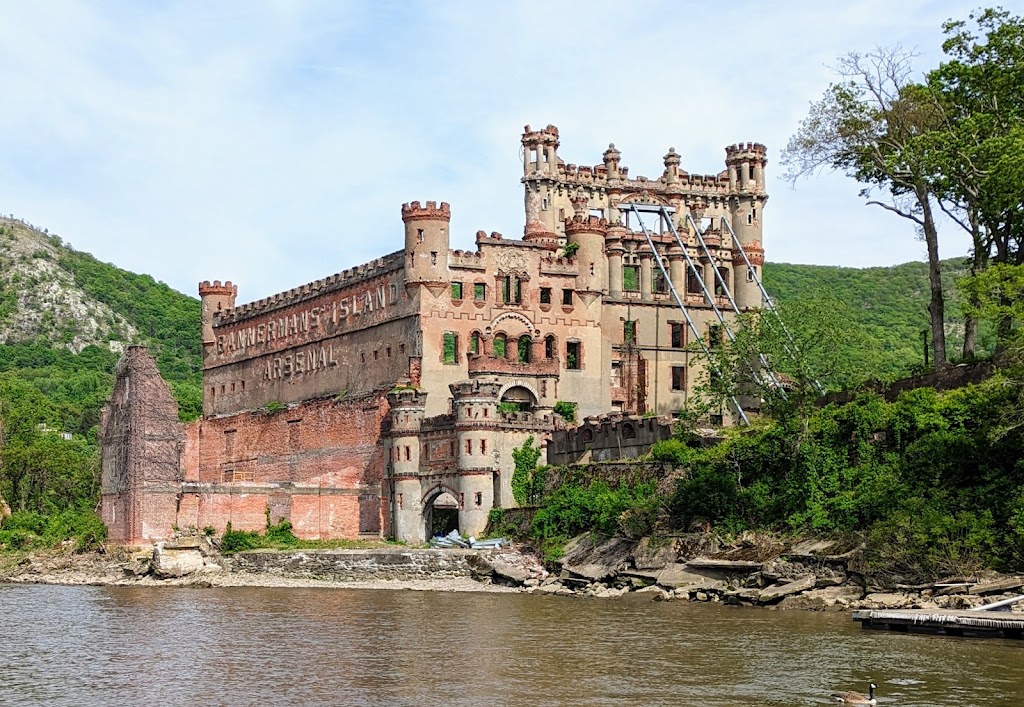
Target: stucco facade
{"points": [[409, 368]]}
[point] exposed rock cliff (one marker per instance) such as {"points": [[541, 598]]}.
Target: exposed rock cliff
{"points": [[39, 298]]}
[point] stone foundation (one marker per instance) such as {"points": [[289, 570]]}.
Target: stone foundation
{"points": [[358, 565]]}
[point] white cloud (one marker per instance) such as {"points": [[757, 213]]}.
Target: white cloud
{"points": [[272, 143]]}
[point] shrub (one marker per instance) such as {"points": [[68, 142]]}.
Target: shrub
{"points": [[673, 451], [566, 409]]}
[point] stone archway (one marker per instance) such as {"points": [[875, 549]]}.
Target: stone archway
{"points": [[520, 392], [440, 511]]}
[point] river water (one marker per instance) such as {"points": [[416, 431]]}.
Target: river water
{"points": [[248, 646]]}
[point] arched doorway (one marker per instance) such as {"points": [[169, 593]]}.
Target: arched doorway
{"points": [[520, 396], [441, 513]]}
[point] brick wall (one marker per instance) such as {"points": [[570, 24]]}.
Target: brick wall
{"points": [[317, 464]]}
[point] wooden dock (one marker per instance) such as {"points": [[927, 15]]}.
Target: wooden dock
{"points": [[993, 621]]}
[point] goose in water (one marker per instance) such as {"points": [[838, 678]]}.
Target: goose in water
{"points": [[857, 698]]}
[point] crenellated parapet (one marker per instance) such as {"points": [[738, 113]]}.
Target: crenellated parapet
{"points": [[607, 438], [227, 289], [332, 283], [413, 211], [585, 224]]}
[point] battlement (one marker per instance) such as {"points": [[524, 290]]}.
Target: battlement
{"points": [[407, 399], [413, 211], [331, 283], [547, 134], [585, 224], [607, 438], [216, 288], [475, 388], [745, 151], [551, 265]]}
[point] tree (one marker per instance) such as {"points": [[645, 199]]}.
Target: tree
{"points": [[810, 346], [976, 153], [866, 125]]}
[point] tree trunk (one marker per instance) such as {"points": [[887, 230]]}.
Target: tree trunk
{"points": [[936, 306], [979, 261]]}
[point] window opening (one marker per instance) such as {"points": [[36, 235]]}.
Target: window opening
{"points": [[456, 290], [479, 291], [545, 295], [572, 355], [567, 298], [629, 331], [678, 377], [677, 335], [549, 347], [451, 347], [631, 278], [524, 345], [498, 347]]}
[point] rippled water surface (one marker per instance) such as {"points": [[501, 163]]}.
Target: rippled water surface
{"points": [[172, 646]]}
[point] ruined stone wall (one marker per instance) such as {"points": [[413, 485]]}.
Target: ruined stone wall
{"points": [[142, 442], [607, 438], [317, 464], [356, 565]]}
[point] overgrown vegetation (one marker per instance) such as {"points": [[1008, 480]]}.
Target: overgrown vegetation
{"points": [[28, 530], [527, 478], [279, 536]]}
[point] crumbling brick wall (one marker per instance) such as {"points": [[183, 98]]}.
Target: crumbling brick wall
{"points": [[141, 440], [317, 464]]}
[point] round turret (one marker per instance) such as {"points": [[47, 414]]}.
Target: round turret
{"points": [[408, 406], [215, 297], [426, 242], [591, 265], [746, 163]]}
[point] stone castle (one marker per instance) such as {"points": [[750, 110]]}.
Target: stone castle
{"points": [[386, 400]]}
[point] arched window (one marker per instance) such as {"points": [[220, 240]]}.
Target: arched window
{"points": [[524, 346], [588, 435], [549, 346], [498, 346], [474, 342]]}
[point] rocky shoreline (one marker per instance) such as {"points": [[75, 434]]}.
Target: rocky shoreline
{"points": [[754, 571], [757, 571]]}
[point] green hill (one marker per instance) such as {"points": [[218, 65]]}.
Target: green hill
{"points": [[64, 319], [890, 304]]}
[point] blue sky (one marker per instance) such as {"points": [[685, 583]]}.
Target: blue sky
{"points": [[273, 142]]}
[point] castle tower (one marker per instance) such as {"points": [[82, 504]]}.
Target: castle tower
{"points": [[540, 171], [591, 263], [215, 297], [475, 403], [407, 410], [746, 163], [426, 242]]}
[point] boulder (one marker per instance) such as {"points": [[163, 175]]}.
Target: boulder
{"points": [[677, 575], [483, 567], [776, 592], [741, 596], [597, 561], [886, 600], [826, 599], [653, 555], [169, 563]]}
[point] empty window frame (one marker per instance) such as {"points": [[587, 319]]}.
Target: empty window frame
{"points": [[573, 355], [450, 352]]}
